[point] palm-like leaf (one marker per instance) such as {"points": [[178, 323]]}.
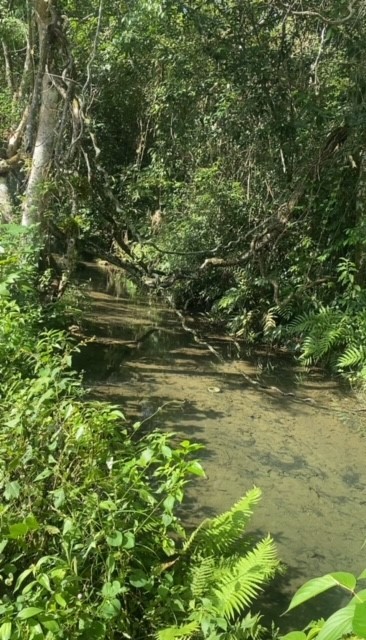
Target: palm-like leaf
{"points": [[352, 356], [217, 536], [201, 577], [238, 586]]}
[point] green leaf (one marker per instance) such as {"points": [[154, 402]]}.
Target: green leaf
{"points": [[195, 468], [316, 586], [178, 632], [32, 523], [29, 587], [44, 581], [60, 600], [116, 414], [345, 580], [168, 546], [12, 490], [128, 540], [111, 589], [362, 575], [110, 608], [59, 497], [166, 519], [46, 473], [51, 625], [294, 635], [359, 620], [68, 526], [115, 540], [3, 544], [108, 505], [138, 578], [29, 612], [18, 530], [146, 457], [22, 577], [338, 625], [5, 631], [169, 502]]}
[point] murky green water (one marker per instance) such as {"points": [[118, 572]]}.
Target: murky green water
{"points": [[309, 459]]}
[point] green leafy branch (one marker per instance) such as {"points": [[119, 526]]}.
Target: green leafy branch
{"points": [[350, 619]]}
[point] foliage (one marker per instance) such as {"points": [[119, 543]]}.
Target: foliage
{"points": [[90, 543], [337, 332], [222, 127], [349, 620], [222, 574], [248, 141]]}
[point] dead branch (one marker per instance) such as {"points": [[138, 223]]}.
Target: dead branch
{"points": [[10, 163]]}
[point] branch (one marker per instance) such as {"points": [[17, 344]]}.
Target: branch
{"points": [[6, 204], [278, 226], [243, 258], [205, 252], [30, 129], [15, 139], [94, 49], [329, 21], [9, 164], [19, 94], [132, 268], [8, 70]]}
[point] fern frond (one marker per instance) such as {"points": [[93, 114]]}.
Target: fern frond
{"points": [[269, 321], [302, 322], [285, 310], [184, 632], [318, 321], [249, 627], [237, 587], [353, 356], [201, 576], [217, 536]]}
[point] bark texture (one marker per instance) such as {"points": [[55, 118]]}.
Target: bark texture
{"points": [[42, 154]]}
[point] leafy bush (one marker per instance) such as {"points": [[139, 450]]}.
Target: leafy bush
{"points": [[336, 334], [90, 544]]}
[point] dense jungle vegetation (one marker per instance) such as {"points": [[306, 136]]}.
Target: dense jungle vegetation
{"points": [[214, 149]]}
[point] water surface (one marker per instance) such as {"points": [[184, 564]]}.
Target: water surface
{"points": [[307, 457]]}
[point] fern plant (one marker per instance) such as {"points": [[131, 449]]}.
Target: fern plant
{"points": [[223, 573], [333, 336]]}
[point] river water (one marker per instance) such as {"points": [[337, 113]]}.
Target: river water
{"points": [[308, 457]]}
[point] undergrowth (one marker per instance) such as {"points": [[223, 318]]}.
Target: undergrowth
{"points": [[90, 543]]}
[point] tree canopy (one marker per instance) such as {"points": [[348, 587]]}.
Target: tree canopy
{"points": [[215, 149]]}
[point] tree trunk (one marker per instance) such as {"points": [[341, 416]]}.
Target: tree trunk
{"points": [[6, 205], [42, 155], [360, 249]]}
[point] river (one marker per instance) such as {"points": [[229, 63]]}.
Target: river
{"points": [[308, 457]]}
